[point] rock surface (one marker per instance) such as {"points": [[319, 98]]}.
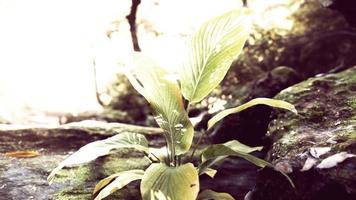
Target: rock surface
{"points": [[317, 147], [25, 178], [346, 8]]}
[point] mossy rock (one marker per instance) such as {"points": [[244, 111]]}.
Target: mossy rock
{"points": [[301, 144], [25, 178], [80, 181]]}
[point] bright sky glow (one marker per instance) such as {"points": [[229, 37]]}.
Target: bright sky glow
{"points": [[46, 49], [47, 46]]}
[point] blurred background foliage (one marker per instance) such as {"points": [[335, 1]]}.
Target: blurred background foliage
{"points": [[319, 41]]}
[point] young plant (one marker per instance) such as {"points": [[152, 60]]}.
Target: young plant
{"points": [[212, 50]]}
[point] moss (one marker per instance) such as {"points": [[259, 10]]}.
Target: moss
{"points": [[130, 192], [116, 164], [351, 102], [347, 139], [80, 181], [286, 143], [79, 174], [290, 143], [351, 80], [293, 93], [78, 193], [327, 112], [288, 140]]}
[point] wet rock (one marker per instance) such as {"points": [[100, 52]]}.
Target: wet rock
{"points": [[235, 176], [346, 8], [106, 115], [25, 178], [317, 148]]}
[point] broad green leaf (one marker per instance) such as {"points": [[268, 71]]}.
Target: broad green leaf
{"points": [[214, 153], [107, 186], [265, 101], [217, 152], [212, 50], [99, 148], [212, 195], [172, 183], [210, 172], [155, 84]]}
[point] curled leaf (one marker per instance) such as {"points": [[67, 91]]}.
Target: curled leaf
{"points": [[212, 195], [265, 101], [164, 95], [99, 148], [214, 153], [121, 179], [210, 172]]}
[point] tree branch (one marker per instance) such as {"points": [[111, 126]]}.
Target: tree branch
{"points": [[132, 21]]}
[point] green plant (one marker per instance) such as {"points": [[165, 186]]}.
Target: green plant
{"points": [[212, 50]]}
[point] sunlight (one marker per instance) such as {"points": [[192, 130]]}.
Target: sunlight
{"points": [[274, 13], [47, 52], [48, 46]]}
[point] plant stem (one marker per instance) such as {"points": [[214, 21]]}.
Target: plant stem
{"points": [[196, 146], [170, 150], [186, 105], [173, 155]]}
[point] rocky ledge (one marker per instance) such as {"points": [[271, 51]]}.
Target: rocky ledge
{"points": [[25, 178], [317, 147]]}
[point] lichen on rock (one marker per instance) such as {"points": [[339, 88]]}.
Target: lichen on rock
{"points": [[319, 144], [25, 178]]}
